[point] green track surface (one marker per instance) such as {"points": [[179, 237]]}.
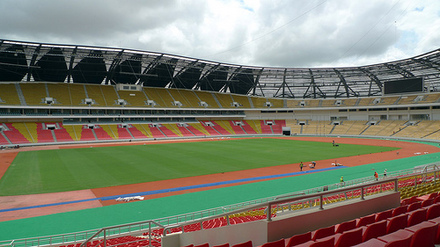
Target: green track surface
{"points": [[85, 168]]}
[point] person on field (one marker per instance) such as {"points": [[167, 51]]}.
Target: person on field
{"points": [[376, 175], [301, 165], [385, 173]]}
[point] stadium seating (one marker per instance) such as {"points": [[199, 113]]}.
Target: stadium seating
{"points": [[8, 94]]}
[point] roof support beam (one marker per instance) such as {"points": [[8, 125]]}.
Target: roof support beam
{"points": [[316, 90], [373, 78], [348, 90], [399, 70]]}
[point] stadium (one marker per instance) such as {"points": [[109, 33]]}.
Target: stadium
{"points": [[210, 152]]}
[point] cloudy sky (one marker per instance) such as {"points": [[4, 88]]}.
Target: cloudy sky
{"points": [[279, 33]]}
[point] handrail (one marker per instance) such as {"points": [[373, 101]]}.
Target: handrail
{"points": [[105, 229], [268, 205]]}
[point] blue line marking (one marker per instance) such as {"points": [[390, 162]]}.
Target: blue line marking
{"points": [[153, 192]]}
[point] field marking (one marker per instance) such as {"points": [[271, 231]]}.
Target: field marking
{"points": [[152, 192]]}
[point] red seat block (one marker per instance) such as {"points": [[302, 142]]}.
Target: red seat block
{"points": [[417, 217], [397, 223], [424, 234], [384, 215], [327, 242], [374, 230], [346, 226], [279, 243], [349, 238], [299, 239], [369, 219], [433, 211], [323, 232], [399, 210], [414, 206], [245, 244], [400, 235]]}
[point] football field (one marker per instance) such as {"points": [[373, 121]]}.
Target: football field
{"points": [[60, 170]]}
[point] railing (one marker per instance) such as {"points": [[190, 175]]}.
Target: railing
{"points": [[315, 194]]}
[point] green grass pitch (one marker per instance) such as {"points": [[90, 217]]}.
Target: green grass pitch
{"points": [[84, 168]]}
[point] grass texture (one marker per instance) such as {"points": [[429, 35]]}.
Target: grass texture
{"points": [[85, 168]]}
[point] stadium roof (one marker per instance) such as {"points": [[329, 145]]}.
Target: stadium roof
{"points": [[27, 61]]}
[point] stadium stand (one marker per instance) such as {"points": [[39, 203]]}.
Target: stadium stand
{"points": [[170, 130], [133, 98], [141, 131], [208, 98], [39, 110], [8, 94], [186, 97]]}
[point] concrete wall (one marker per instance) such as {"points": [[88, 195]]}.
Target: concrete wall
{"points": [[295, 223], [287, 224]]}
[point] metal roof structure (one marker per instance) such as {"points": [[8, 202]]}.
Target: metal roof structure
{"points": [[28, 61]]}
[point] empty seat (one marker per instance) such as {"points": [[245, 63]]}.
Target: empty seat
{"points": [[278, 243], [406, 242], [202, 245], [346, 226], [327, 242], [424, 234], [369, 219], [384, 215], [414, 206], [349, 238], [427, 202], [299, 239], [397, 236], [433, 211], [416, 217], [245, 244], [436, 221], [399, 210], [222, 245], [397, 223], [323, 232], [429, 196], [374, 230]]}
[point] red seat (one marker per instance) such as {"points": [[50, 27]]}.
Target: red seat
{"points": [[427, 202], [299, 239], [399, 210], [430, 196], [424, 234], [366, 220], [278, 243], [397, 236], [414, 206], [327, 242], [374, 230], [245, 244], [384, 215], [349, 238], [346, 226], [202, 245], [436, 221], [417, 217], [323, 232], [396, 223], [433, 211], [222, 245], [406, 242]]}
